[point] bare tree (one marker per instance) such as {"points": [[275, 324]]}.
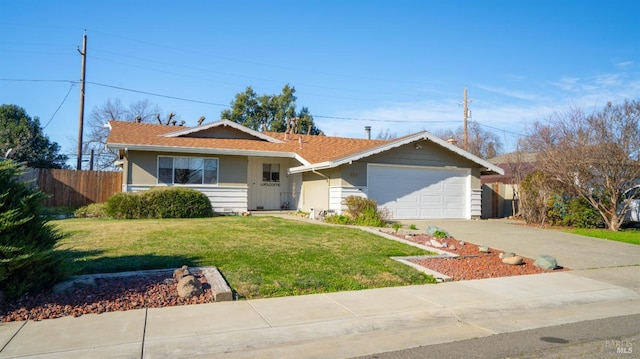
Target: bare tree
{"points": [[595, 156], [386, 134], [482, 143], [140, 111]]}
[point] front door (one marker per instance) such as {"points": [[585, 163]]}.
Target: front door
{"points": [[268, 183]]}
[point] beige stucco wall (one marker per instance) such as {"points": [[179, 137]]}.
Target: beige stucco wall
{"points": [[353, 175], [142, 168], [315, 192]]}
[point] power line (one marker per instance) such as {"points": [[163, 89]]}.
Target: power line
{"points": [[61, 103], [227, 106], [501, 129], [156, 94], [32, 80], [379, 120]]}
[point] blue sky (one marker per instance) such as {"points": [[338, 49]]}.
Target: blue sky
{"points": [[396, 65]]}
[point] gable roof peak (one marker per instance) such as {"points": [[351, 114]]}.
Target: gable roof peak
{"points": [[222, 123]]}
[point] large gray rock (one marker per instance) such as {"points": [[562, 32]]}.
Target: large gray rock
{"points": [[73, 284], [483, 249], [546, 262], [189, 286], [431, 230]]}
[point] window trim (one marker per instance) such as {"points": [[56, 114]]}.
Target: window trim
{"points": [[173, 168], [270, 180]]}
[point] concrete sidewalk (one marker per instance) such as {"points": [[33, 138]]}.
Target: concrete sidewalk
{"points": [[347, 324]]}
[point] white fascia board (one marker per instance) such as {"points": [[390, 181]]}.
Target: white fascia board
{"points": [[201, 151], [468, 155], [401, 142], [310, 167], [237, 126], [301, 160]]}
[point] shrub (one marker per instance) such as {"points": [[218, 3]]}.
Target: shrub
{"points": [[413, 227], [581, 214], [28, 262], [396, 226], [161, 202], [370, 217], [338, 219], [93, 210], [362, 212], [177, 202], [126, 205], [440, 234], [356, 205]]}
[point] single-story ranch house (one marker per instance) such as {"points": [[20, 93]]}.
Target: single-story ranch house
{"points": [[418, 176]]}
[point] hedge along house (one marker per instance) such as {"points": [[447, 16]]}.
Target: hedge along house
{"points": [[414, 177]]}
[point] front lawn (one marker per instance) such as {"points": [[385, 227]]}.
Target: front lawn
{"points": [[626, 235], [259, 256]]}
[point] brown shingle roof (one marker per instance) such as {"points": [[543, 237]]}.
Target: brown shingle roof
{"points": [[315, 149]]}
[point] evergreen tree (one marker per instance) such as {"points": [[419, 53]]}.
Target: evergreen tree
{"points": [[23, 135], [27, 259]]}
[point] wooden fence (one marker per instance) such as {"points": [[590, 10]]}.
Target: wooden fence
{"points": [[75, 188]]}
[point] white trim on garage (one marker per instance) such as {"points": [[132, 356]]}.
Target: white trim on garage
{"points": [[417, 192], [338, 194]]}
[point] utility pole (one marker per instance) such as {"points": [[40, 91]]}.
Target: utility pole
{"points": [[83, 53], [466, 118]]}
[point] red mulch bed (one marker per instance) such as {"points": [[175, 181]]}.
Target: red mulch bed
{"points": [[471, 263], [112, 294]]}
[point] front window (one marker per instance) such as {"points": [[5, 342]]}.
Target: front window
{"points": [[270, 172], [187, 170]]}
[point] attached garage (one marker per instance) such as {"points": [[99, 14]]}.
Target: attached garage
{"points": [[413, 192]]}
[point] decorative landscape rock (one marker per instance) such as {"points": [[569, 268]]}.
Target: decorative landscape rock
{"points": [[506, 255], [77, 283], [513, 260], [431, 230], [435, 243], [189, 287], [483, 249], [181, 273], [546, 262]]}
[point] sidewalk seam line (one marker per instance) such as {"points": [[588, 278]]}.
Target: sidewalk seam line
{"points": [[260, 314], [144, 332], [341, 305], [14, 335]]}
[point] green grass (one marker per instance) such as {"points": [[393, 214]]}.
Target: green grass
{"points": [[626, 235], [259, 256]]}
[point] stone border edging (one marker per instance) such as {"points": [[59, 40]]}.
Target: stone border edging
{"points": [[220, 289], [439, 277]]}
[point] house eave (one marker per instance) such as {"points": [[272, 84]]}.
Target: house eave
{"points": [[202, 151], [486, 166]]}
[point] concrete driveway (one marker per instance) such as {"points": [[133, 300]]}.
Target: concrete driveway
{"points": [[612, 262]]}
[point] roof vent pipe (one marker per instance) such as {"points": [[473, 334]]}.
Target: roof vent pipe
{"points": [[367, 131]]}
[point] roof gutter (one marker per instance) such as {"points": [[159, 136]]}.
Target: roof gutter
{"points": [[199, 150]]}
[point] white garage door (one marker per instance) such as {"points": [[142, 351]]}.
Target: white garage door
{"points": [[420, 192]]}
